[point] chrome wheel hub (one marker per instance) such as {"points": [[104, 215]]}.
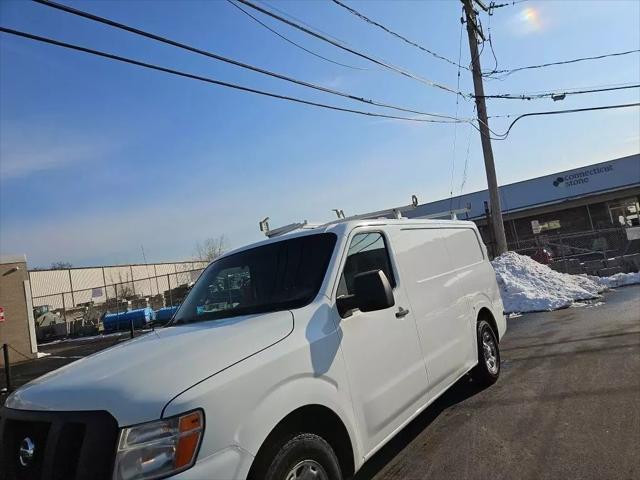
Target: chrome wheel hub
{"points": [[490, 352], [307, 470]]}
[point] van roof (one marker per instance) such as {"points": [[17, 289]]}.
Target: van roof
{"points": [[343, 226]]}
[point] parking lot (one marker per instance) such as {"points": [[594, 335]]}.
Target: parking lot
{"points": [[567, 404], [58, 354]]}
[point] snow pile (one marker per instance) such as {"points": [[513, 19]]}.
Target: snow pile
{"points": [[529, 286], [620, 279]]}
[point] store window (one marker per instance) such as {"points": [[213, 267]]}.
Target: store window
{"points": [[625, 212]]}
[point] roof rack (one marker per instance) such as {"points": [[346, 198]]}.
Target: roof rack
{"points": [[395, 213], [264, 227], [388, 213], [452, 214]]}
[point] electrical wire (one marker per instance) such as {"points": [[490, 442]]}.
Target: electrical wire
{"points": [[397, 35], [211, 80], [493, 52], [455, 127], [503, 136], [466, 161], [507, 72], [559, 94], [346, 48], [582, 87], [275, 32], [510, 4], [302, 22], [215, 56]]}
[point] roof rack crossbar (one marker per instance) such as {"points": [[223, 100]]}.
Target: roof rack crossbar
{"points": [[284, 229], [395, 212], [452, 214]]}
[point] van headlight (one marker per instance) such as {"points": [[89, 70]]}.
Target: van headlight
{"points": [[160, 448]]}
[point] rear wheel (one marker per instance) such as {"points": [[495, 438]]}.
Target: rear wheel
{"points": [[488, 369], [304, 456]]}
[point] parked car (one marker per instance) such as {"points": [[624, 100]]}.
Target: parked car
{"points": [[542, 255], [296, 357]]}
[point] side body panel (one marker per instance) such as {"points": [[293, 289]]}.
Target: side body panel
{"points": [[439, 297]]}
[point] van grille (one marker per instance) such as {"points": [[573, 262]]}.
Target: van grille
{"points": [[66, 445]]}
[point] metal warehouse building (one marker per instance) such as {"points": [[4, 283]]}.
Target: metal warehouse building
{"points": [[584, 213]]}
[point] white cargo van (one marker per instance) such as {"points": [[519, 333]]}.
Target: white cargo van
{"points": [[296, 357]]}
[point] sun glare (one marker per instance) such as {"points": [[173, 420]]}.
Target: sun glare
{"points": [[530, 17]]}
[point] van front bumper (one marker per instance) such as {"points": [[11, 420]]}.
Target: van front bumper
{"points": [[230, 463]]}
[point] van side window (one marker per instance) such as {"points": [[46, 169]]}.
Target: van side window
{"points": [[368, 251]]}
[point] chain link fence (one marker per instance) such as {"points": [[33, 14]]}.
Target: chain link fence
{"points": [[598, 252], [81, 312]]}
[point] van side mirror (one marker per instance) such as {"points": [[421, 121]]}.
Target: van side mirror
{"points": [[372, 292]]}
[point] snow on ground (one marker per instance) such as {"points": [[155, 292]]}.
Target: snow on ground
{"points": [[621, 279], [529, 286]]}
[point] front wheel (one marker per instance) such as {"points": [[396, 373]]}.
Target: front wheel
{"points": [[488, 369], [304, 456]]}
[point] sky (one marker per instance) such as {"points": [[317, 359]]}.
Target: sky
{"points": [[99, 158]]}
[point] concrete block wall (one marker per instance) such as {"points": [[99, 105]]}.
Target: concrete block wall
{"points": [[16, 330]]}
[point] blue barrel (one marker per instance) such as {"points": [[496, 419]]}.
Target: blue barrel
{"points": [[164, 314], [122, 320]]}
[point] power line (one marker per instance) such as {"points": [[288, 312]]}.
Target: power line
{"points": [[510, 4], [582, 87], [466, 162], [507, 72], [275, 32], [211, 80], [559, 95], [231, 61], [504, 135], [490, 40], [302, 22], [111, 56], [397, 35], [455, 127], [346, 48]]}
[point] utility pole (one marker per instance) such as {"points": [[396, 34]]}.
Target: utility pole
{"points": [[494, 197]]}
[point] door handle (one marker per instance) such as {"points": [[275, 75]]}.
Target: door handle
{"points": [[402, 312]]}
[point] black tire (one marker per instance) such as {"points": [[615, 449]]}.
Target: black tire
{"points": [[487, 371], [298, 448]]}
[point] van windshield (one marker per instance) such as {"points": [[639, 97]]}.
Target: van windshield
{"points": [[278, 276]]}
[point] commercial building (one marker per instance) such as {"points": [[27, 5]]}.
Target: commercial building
{"points": [[592, 197], [598, 203]]}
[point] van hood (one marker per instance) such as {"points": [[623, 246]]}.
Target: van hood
{"points": [[135, 380]]}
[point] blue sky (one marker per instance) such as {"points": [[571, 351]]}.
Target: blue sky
{"points": [[98, 158]]}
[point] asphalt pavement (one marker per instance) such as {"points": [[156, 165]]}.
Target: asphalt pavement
{"points": [[566, 406], [58, 354]]}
